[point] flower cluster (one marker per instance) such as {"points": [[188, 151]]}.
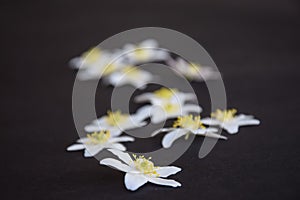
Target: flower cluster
{"points": [[117, 67], [163, 104]]}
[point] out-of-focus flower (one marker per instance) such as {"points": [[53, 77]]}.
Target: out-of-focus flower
{"points": [[94, 56], [97, 141], [193, 71], [140, 170], [165, 95], [160, 113], [146, 51], [228, 120], [184, 126], [130, 76], [116, 122], [97, 63]]}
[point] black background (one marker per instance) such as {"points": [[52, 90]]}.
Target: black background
{"points": [[255, 44]]}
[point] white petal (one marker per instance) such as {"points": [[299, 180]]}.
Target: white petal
{"points": [[76, 63], [161, 181], [114, 132], [115, 164], [161, 130], [231, 128], [140, 84], [131, 124], [101, 121], [187, 97], [87, 154], [134, 181], [143, 97], [158, 115], [210, 121], [215, 135], [75, 147], [246, 122], [92, 150], [172, 136], [161, 55], [125, 157], [121, 139], [143, 113], [202, 131], [116, 79], [242, 117], [209, 132], [149, 43], [191, 108], [118, 146], [92, 128], [167, 171], [82, 140]]}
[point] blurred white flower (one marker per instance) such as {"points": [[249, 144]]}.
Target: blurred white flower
{"points": [[97, 141], [194, 71], [228, 120], [97, 63], [117, 122], [184, 126], [140, 170], [94, 56], [162, 112], [130, 76], [165, 95], [146, 51]]}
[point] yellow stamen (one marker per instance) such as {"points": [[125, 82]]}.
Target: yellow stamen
{"points": [[141, 54], [145, 165], [189, 122], [98, 137], [131, 71], [170, 108], [109, 69], [165, 93], [115, 118], [92, 55], [192, 70], [224, 115]]}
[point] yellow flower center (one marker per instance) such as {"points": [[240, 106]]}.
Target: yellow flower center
{"points": [[109, 69], [115, 118], [145, 165], [92, 55], [98, 137], [141, 54], [188, 122], [171, 108], [193, 69], [130, 71], [224, 115], [165, 93]]}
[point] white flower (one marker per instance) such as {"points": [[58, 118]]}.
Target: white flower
{"points": [[130, 75], [227, 120], [194, 71], [184, 126], [160, 113], [96, 63], [97, 141], [93, 56], [99, 71], [116, 122], [140, 170], [165, 95], [146, 51]]}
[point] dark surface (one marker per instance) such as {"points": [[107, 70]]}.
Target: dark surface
{"points": [[255, 44]]}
